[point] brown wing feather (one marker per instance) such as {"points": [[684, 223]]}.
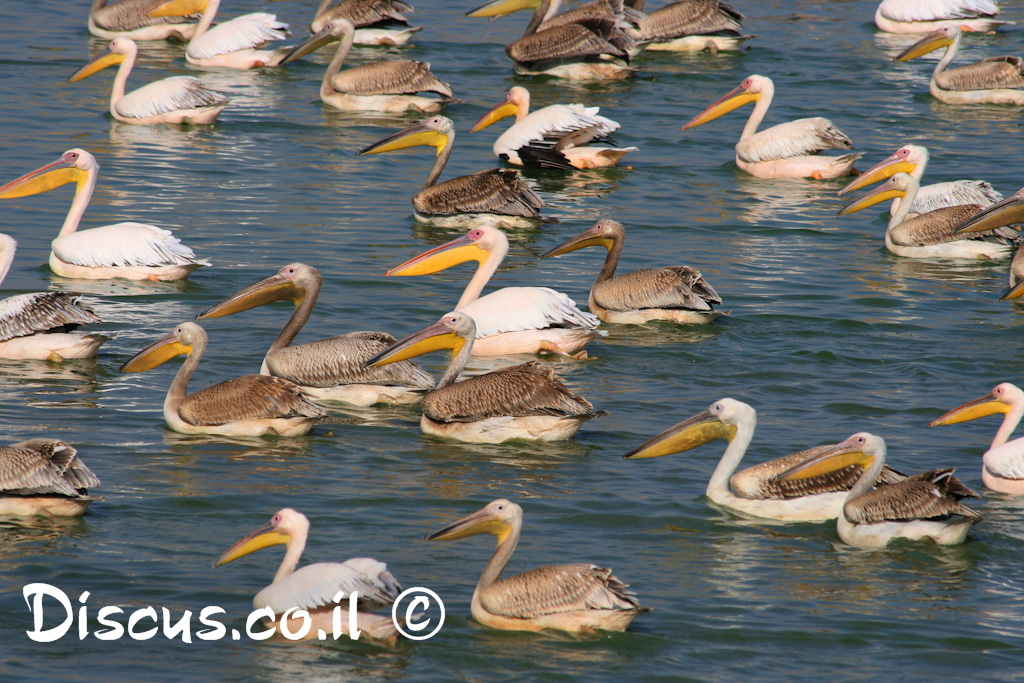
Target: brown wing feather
{"points": [[993, 72], [938, 226], [762, 481], [25, 314], [926, 496], [688, 18], [558, 588], [251, 397], [128, 15], [44, 466], [571, 41], [339, 360], [499, 191], [363, 13], [399, 77], [671, 287]]}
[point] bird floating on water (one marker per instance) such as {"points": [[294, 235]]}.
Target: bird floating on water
{"points": [[689, 26], [922, 16], [128, 19], [44, 477], [377, 22], [1009, 211]]}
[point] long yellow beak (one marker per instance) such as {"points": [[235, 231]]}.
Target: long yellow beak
{"points": [[870, 199], [880, 171], [688, 434], [496, 113], [735, 99], [1004, 212], [1013, 292], [274, 288], [323, 37], [480, 522], [100, 63], [157, 353], [178, 8], [44, 179], [264, 537], [434, 338], [931, 42], [445, 256], [420, 134], [587, 238], [980, 407], [838, 457], [500, 8]]}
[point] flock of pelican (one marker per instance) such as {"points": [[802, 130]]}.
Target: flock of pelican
{"points": [[849, 482]]}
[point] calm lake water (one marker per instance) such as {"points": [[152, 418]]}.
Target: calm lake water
{"points": [[827, 335]]}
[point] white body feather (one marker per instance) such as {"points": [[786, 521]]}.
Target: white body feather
{"points": [[924, 16]]}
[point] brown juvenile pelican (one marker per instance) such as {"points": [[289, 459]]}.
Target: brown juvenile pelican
{"points": [[518, 402], [320, 588], [497, 196], [44, 477], [924, 507], [996, 80], [252, 405], [328, 369], [128, 19], [380, 86], [690, 26], [675, 293], [1004, 213], [922, 16], [377, 22], [564, 597]]}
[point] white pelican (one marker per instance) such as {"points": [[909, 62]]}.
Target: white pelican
{"points": [[1003, 463], [922, 16], [556, 136], [234, 44], [913, 159], [320, 588], [128, 19], [676, 293], [759, 490], [788, 150], [389, 86], [251, 405], [377, 22], [994, 80], [40, 326], [923, 507], [933, 234], [496, 196], [328, 369], [134, 251], [565, 597], [518, 402], [690, 26], [510, 319], [44, 477], [179, 99], [1004, 213]]}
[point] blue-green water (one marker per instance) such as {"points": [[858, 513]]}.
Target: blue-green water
{"points": [[827, 335]]}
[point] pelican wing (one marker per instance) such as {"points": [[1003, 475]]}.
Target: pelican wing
{"points": [[570, 41], [928, 495], [762, 482], [167, 95], [498, 191], [247, 32], [363, 13], [44, 466], [25, 314], [671, 287], [316, 585], [559, 126], [339, 360], [939, 226], [558, 588], [400, 77], [252, 397], [792, 139], [954, 193], [513, 309], [128, 15], [933, 10], [123, 244], [988, 74], [688, 18]]}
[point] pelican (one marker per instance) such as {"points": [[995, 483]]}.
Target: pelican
{"points": [[690, 26], [377, 22], [234, 44], [1003, 463], [380, 86], [329, 369], [128, 19], [252, 405], [565, 597], [994, 80], [556, 136], [924, 507], [922, 16], [134, 251], [179, 99], [757, 491], [511, 319], [1003, 213], [518, 402], [913, 159], [497, 196], [321, 588], [44, 477], [675, 293], [40, 326], [932, 234], [788, 150]]}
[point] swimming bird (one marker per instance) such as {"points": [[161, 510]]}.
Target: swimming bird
{"points": [[923, 507], [689, 26], [496, 196], [922, 16], [321, 588], [556, 136], [128, 19], [995, 80], [134, 251], [389, 86], [1003, 463], [675, 293], [565, 597], [328, 369], [44, 477], [1007, 212], [759, 491], [510, 319], [787, 150], [251, 405], [178, 99], [518, 402], [377, 22], [932, 234]]}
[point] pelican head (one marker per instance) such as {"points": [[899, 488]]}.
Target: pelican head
{"points": [[476, 245], [518, 98], [719, 421], [452, 331], [906, 159], [178, 8], [117, 51], [1001, 400], [74, 166], [750, 90], [179, 342], [330, 33], [605, 233], [896, 186], [860, 449], [288, 284], [943, 37], [500, 8], [437, 132], [282, 527], [497, 518]]}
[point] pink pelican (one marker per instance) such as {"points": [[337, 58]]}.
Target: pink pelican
{"points": [[922, 16]]}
